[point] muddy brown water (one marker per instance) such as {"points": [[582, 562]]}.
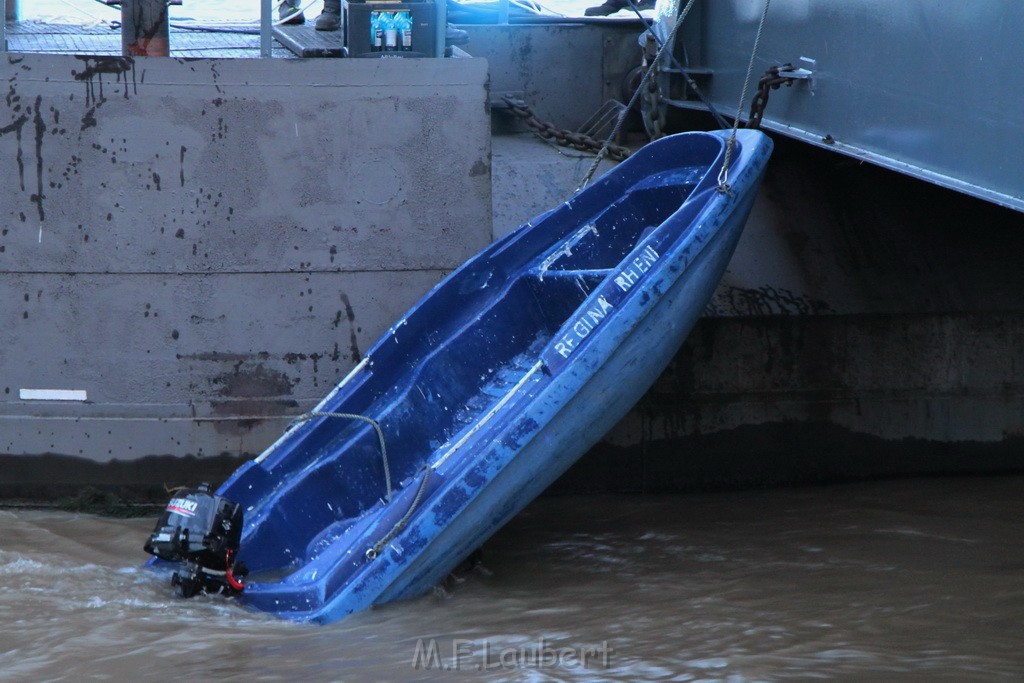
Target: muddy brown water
{"points": [[916, 579]]}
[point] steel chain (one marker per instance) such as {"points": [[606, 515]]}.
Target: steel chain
{"points": [[654, 113], [772, 80], [563, 137]]}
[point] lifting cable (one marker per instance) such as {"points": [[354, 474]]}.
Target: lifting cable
{"points": [[632, 101], [723, 175], [682, 70]]}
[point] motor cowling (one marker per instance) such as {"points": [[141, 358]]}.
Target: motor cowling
{"points": [[201, 531]]}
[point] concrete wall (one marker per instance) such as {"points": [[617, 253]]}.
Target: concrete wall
{"points": [[205, 246], [564, 71]]}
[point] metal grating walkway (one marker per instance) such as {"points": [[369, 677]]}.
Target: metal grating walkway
{"points": [[234, 40]]}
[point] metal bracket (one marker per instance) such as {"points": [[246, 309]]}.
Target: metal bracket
{"points": [[500, 98], [797, 74]]}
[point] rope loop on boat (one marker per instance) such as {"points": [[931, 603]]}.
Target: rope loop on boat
{"points": [[374, 552], [362, 418], [723, 175]]}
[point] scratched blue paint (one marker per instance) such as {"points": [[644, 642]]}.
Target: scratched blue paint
{"points": [[537, 346]]}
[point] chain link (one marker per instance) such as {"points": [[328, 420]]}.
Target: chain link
{"points": [[654, 111], [566, 138], [772, 80]]}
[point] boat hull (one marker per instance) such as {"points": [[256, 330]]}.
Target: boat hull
{"points": [[585, 377]]}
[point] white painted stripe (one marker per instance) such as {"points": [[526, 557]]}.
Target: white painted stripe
{"points": [[53, 395], [490, 413]]}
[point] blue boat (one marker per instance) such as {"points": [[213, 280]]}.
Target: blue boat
{"points": [[492, 385]]}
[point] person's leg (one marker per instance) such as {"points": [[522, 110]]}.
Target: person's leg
{"points": [[330, 18], [455, 36], [288, 9]]}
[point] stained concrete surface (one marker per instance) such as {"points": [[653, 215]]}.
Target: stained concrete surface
{"points": [[566, 72], [206, 246], [868, 324], [532, 176]]}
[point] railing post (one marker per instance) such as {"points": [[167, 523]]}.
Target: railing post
{"points": [[266, 19], [10, 14], [144, 28], [441, 27]]}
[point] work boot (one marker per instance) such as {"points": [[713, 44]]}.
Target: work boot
{"points": [[286, 13], [330, 18], [455, 36]]}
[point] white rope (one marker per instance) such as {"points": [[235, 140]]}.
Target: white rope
{"points": [[373, 552], [361, 418]]}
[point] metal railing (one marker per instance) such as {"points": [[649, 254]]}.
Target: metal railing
{"points": [[10, 14]]}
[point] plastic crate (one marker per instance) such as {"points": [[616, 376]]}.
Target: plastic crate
{"points": [[365, 37]]}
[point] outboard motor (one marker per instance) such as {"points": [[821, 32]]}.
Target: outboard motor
{"points": [[201, 531]]}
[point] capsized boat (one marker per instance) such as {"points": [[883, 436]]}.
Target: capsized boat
{"points": [[492, 385]]}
